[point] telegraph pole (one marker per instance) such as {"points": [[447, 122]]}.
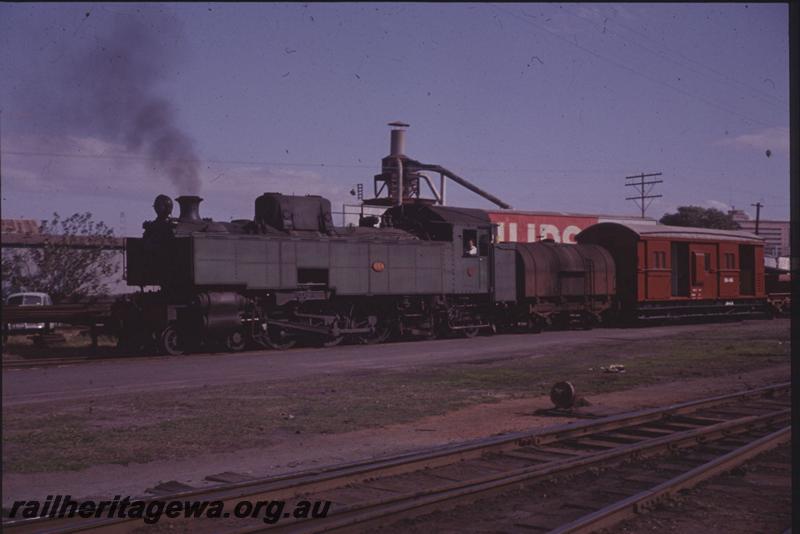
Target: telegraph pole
{"points": [[645, 187], [757, 206]]}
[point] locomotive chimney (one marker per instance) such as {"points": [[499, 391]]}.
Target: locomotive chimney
{"points": [[190, 208], [397, 146]]}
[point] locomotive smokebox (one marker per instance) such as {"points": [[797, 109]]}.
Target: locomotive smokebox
{"points": [[190, 208], [397, 146]]}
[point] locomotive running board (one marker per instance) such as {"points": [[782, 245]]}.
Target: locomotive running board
{"points": [[304, 328], [469, 327], [318, 330]]}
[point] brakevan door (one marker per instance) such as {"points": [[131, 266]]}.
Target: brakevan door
{"points": [[704, 277], [681, 269], [728, 272], [747, 270], [657, 269]]}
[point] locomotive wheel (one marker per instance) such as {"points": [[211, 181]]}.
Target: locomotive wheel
{"points": [[437, 330], [534, 326], [589, 322], [169, 342], [272, 337], [332, 341], [282, 345], [235, 341], [470, 332], [276, 338], [379, 334]]}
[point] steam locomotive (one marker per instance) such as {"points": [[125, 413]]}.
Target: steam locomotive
{"points": [[421, 269]]}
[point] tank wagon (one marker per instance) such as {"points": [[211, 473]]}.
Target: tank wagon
{"points": [[421, 269]]}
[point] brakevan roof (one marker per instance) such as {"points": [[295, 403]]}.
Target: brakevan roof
{"points": [[681, 232]]}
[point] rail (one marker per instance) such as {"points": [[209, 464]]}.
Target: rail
{"points": [[629, 507]]}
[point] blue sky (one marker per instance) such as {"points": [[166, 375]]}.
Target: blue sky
{"points": [[547, 106]]}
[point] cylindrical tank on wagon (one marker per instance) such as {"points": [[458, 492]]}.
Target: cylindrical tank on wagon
{"points": [[550, 270]]}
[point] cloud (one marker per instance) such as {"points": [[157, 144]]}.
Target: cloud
{"points": [[773, 139], [74, 165], [717, 204], [75, 169]]}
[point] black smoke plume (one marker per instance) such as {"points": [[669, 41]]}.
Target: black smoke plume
{"points": [[108, 86]]}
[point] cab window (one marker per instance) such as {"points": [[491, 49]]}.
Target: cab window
{"points": [[470, 242], [483, 244]]}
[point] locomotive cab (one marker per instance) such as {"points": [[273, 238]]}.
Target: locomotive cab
{"points": [[468, 233]]}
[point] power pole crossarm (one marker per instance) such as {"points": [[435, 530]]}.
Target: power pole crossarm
{"points": [[644, 199]]}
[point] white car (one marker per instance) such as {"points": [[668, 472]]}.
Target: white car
{"points": [[28, 299]]}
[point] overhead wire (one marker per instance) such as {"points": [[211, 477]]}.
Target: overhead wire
{"points": [[772, 102], [719, 74], [634, 71], [131, 157]]}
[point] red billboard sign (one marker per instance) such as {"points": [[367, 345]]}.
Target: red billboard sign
{"points": [[530, 227]]}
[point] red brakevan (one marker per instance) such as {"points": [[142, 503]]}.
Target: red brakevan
{"points": [[665, 271]]}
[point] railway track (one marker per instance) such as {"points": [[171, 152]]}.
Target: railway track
{"points": [[29, 363], [374, 494], [695, 466], [48, 362]]}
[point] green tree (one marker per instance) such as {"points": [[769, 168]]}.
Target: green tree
{"points": [[701, 218], [58, 267], [6, 261]]}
